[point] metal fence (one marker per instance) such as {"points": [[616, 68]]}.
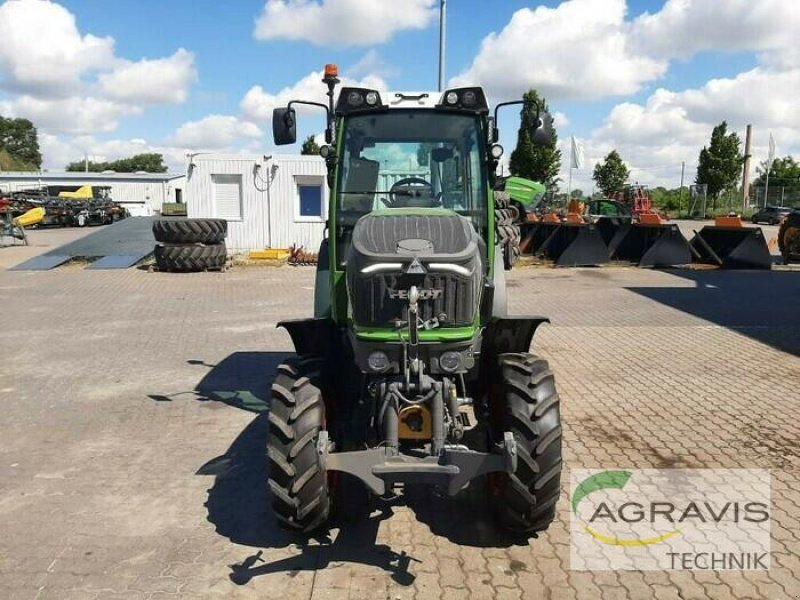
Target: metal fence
{"points": [[777, 195]]}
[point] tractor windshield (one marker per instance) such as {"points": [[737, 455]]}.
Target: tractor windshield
{"points": [[411, 159]]}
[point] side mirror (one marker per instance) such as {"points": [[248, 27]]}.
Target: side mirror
{"points": [[543, 131], [284, 126]]}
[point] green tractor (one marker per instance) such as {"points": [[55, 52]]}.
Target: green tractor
{"points": [[411, 371]]}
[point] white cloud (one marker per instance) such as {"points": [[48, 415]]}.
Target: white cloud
{"points": [[158, 81], [58, 151], [257, 104], [214, 132], [684, 27], [41, 49], [342, 22], [76, 115], [67, 82], [580, 49], [671, 127]]}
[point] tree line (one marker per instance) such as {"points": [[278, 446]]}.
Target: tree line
{"points": [[719, 163]]}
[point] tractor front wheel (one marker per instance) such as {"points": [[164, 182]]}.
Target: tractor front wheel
{"points": [[527, 497], [300, 494]]}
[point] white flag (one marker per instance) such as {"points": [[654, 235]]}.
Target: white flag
{"points": [[576, 156], [771, 156]]}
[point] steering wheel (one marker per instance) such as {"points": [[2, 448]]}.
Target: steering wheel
{"points": [[411, 192]]}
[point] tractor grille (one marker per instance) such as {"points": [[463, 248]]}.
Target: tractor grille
{"points": [[372, 304]]}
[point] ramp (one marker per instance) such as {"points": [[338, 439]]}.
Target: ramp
{"points": [[661, 245], [575, 245], [44, 262], [116, 246], [732, 247]]}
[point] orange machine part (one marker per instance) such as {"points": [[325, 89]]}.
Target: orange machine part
{"points": [[574, 218], [728, 222], [551, 218], [650, 219], [415, 423]]}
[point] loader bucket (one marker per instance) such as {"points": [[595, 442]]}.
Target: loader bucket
{"points": [[651, 245], [732, 247], [575, 245], [608, 228], [533, 235]]}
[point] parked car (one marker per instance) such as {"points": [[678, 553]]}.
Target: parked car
{"points": [[771, 215]]}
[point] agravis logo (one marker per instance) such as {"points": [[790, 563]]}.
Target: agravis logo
{"points": [[670, 518], [610, 480]]}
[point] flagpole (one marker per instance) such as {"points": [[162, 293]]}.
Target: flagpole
{"points": [[766, 186]]}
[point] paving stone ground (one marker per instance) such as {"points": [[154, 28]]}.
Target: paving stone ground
{"points": [[133, 426]]}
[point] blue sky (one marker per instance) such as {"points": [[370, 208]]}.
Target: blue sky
{"points": [[109, 79]]}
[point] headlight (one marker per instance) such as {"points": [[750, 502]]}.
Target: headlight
{"points": [[469, 98], [450, 361], [355, 99], [451, 98], [372, 98], [378, 361]]}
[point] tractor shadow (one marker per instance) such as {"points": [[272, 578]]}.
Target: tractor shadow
{"points": [[239, 499], [761, 305]]}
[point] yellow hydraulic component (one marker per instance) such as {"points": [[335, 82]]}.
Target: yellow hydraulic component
{"points": [[28, 219], [415, 423], [82, 193]]}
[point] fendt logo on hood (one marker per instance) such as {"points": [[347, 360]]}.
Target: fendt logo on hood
{"points": [[423, 294]]}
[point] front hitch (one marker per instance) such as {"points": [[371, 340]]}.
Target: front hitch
{"points": [[380, 469]]}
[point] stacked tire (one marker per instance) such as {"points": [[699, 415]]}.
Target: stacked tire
{"points": [[506, 218], [188, 245]]}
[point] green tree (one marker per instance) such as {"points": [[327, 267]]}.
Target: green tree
{"points": [[720, 163], [310, 146], [150, 162], [784, 172], [611, 174], [21, 140], [577, 193], [537, 163]]}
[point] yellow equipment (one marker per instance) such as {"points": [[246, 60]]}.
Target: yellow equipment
{"points": [[85, 192], [30, 218]]}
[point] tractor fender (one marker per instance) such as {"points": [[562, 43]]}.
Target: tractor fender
{"points": [[311, 337], [499, 299], [322, 283], [504, 335]]}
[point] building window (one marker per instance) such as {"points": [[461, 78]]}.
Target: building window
{"points": [[227, 197], [310, 203]]}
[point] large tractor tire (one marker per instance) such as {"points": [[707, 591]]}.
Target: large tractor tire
{"points": [[527, 497], [190, 257], [190, 231], [789, 237], [300, 495]]}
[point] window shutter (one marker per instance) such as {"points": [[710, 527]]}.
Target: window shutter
{"points": [[228, 197]]}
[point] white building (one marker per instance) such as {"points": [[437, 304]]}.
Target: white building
{"points": [[269, 201], [141, 193]]}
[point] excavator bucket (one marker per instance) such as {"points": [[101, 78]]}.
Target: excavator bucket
{"points": [[733, 247], [575, 245], [656, 245]]}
